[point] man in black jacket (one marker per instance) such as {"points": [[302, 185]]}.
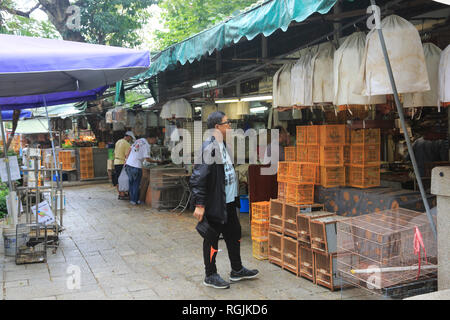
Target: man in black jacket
{"points": [[214, 194]]}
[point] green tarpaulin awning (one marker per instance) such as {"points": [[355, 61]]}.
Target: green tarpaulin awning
{"points": [[264, 19], [32, 126]]}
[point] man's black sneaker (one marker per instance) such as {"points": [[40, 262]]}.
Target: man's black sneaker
{"points": [[244, 273], [216, 281]]}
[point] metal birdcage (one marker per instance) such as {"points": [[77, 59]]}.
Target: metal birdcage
{"points": [[33, 246], [386, 250]]}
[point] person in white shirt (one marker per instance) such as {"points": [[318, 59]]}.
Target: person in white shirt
{"points": [[139, 151]]}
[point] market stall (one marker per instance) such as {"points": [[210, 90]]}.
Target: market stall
{"points": [[52, 79]]}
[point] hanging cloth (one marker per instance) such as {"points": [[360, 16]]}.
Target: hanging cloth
{"points": [[281, 93], [301, 80], [207, 110], [406, 56], [179, 108], [427, 98], [444, 78], [322, 72], [346, 63]]}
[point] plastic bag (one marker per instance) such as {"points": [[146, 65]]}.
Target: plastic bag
{"points": [[124, 183], [346, 63], [406, 56], [427, 98], [444, 77]]}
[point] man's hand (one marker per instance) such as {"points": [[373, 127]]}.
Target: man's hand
{"points": [[199, 212]]}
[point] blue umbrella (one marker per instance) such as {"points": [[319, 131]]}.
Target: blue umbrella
{"points": [[32, 66], [37, 72]]}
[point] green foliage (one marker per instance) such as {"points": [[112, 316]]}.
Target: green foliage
{"points": [[28, 27], [4, 191], [184, 18], [113, 22]]}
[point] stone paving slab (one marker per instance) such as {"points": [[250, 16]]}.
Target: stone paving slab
{"points": [[136, 253]]}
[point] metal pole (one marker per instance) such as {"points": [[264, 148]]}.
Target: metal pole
{"points": [[53, 144], [8, 170], [402, 121]]}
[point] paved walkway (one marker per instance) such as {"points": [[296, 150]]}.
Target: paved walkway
{"points": [[126, 252]]}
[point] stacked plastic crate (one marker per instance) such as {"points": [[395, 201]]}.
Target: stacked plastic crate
{"points": [[86, 164], [331, 143], [260, 229], [68, 159], [364, 168]]}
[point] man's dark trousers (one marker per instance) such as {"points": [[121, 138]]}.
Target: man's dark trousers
{"points": [[231, 232]]}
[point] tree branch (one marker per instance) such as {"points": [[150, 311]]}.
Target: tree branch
{"points": [[16, 12]]}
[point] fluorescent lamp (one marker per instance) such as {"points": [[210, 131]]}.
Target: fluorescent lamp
{"points": [[227, 101], [210, 84], [257, 98], [200, 85], [258, 109], [447, 2]]}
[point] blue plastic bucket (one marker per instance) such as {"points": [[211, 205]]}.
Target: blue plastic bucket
{"points": [[244, 203]]}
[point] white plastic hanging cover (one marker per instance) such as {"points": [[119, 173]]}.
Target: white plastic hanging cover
{"points": [[322, 72], [282, 86], [444, 76], [427, 98], [346, 63], [406, 56], [301, 80], [180, 108], [166, 112], [207, 109]]}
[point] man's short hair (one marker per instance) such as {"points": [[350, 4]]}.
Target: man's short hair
{"points": [[214, 118], [152, 134]]}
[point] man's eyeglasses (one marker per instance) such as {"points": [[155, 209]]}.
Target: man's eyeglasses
{"points": [[226, 122]]}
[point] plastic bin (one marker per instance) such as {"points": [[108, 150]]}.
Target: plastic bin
{"points": [[244, 203]]}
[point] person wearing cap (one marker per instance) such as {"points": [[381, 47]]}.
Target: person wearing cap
{"points": [[120, 151], [138, 153]]}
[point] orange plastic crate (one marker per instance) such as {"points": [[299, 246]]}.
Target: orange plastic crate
{"points": [[332, 134], [85, 151], [260, 229], [347, 149], [366, 136], [290, 153], [260, 249], [365, 154], [301, 134], [364, 176], [347, 175], [67, 159], [331, 156], [302, 153], [312, 135], [348, 135], [331, 177], [317, 180], [260, 210], [282, 191], [300, 193], [313, 156], [301, 173], [283, 171]]}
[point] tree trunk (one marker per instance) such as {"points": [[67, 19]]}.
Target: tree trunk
{"points": [[56, 12], [15, 119]]}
